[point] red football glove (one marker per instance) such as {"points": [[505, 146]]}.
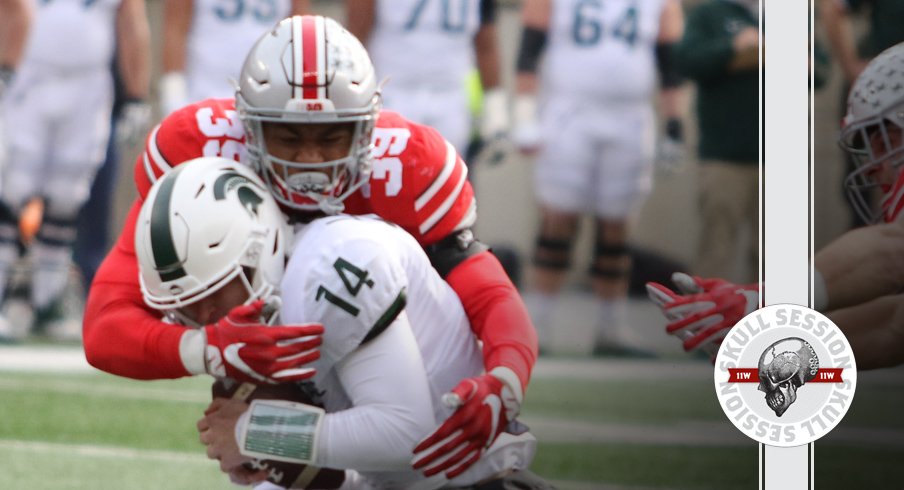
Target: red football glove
{"points": [[703, 310], [241, 347], [484, 407]]}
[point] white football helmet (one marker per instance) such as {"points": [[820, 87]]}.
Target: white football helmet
{"points": [[871, 135], [309, 69], [203, 224]]}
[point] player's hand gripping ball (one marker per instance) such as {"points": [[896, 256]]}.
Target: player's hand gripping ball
{"points": [[288, 475]]}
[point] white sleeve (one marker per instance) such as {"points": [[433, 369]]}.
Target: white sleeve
{"points": [[387, 383]]}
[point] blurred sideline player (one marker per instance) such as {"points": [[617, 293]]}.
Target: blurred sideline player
{"points": [[14, 25], [404, 172], [427, 49], [395, 337], [60, 101], [205, 43], [860, 275], [594, 139]]}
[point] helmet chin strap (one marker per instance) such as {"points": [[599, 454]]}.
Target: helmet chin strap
{"points": [[330, 206]]}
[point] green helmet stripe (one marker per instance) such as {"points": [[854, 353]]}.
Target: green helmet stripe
{"points": [[247, 196], [166, 260]]}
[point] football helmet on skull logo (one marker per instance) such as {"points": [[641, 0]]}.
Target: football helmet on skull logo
{"points": [[241, 236], [309, 70], [873, 135]]}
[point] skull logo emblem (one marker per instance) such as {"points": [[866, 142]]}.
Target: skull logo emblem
{"points": [[784, 367]]}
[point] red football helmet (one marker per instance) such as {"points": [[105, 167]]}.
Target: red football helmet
{"points": [[873, 135]]}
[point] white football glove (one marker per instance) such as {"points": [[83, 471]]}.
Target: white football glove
{"points": [[134, 119], [494, 128], [242, 347], [526, 134], [484, 406], [6, 78], [671, 154], [173, 90], [702, 310]]}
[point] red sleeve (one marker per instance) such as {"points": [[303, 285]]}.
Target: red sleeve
{"points": [[207, 128], [497, 314], [121, 335]]}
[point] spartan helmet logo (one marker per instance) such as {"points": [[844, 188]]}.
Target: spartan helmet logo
{"points": [[784, 367], [247, 195]]}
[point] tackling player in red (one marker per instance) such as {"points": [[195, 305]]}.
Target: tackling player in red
{"points": [[308, 108]]}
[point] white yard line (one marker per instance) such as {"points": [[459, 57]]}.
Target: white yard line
{"points": [[579, 485], [103, 452], [45, 359], [71, 360], [175, 457], [713, 434], [135, 392]]}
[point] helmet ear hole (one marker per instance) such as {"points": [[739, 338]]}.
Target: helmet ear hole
{"points": [[249, 273]]}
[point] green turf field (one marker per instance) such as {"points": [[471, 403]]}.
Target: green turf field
{"points": [[618, 431]]}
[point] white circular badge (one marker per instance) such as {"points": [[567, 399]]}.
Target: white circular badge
{"points": [[785, 375]]}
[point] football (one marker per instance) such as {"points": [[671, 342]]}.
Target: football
{"points": [[288, 475]]}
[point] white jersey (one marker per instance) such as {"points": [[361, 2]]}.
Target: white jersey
{"points": [[221, 34], [72, 35], [424, 42], [372, 287], [602, 51]]}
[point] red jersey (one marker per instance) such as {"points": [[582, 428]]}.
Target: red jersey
{"points": [[418, 182]]}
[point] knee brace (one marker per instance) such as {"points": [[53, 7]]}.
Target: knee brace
{"points": [[56, 230], [9, 225], [552, 253], [607, 271]]}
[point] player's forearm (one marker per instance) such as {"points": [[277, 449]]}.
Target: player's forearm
{"points": [[497, 315], [177, 16], [863, 264], [837, 23], [875, 330], [672, 102], [134, 49], [120, 334], [14, 32], [300, 7], [360, 15], [486, 47], [122, 338]]}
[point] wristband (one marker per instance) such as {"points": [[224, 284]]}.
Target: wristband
{"points": [[280, 431], [525, 109], [512, 394], [192, 347], [6, 74], [495, 112], [674, 129]]}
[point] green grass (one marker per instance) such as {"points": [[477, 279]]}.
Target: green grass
{"points": [[648, 402], [97, 431], [843, 467], [59, 469], [650, 466]]}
